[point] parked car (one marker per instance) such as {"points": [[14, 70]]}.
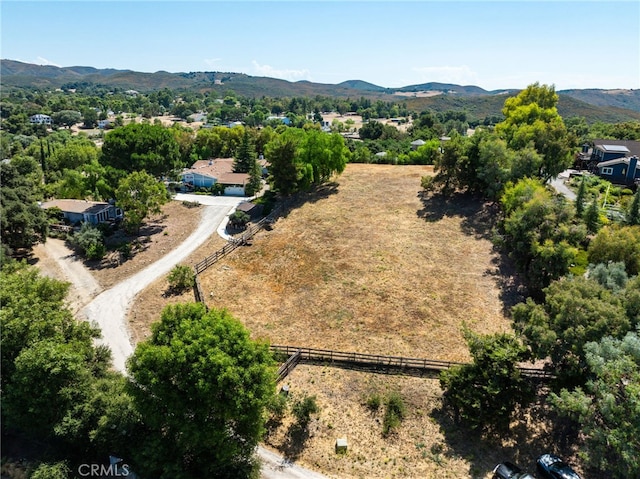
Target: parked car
{"points": [[508, 470], [552, 467]]}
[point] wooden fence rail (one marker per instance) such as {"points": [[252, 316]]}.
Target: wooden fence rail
{"points": [[390, 364], [288, 366], [236, 242]]}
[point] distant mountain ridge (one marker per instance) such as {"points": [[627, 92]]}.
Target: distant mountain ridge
{"points": [[623, 103]]}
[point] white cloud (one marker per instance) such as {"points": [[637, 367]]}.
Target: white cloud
{"points": [[291, 75], [44, 61], [462, 75], [210, 62]]}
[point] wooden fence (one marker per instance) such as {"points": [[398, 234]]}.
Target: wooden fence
{"points": [[288, 366], [387, 364], [233, 243]]}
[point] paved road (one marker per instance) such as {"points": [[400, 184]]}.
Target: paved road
{"points": [[559, 185]]}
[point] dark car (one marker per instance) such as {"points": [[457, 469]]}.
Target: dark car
{"points": [[552, 467], [508, 470]]}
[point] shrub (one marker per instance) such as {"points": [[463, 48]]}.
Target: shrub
{"points": [[304, 408], [96, 251], [239, 219], [394, 413], [374, 401], [89, 240], [181, 278]]}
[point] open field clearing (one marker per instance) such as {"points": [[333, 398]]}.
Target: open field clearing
{"points": [[366, 266]]}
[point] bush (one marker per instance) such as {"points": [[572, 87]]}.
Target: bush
{"points": [[96, 251], [304, 408], [89, 240], [394, 413], [181, 278], [239, 219], [374, 401]]}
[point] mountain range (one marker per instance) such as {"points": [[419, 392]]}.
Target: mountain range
{"points": [[593, 104]]}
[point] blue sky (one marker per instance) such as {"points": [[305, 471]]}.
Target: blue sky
{"points": [[495, 45]]}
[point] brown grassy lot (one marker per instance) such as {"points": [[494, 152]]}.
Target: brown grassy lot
{"points": [[367, 266], [427, 444]]}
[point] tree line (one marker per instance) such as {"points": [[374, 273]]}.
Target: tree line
{"points": [[582, 316]]}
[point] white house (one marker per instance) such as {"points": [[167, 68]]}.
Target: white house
{"points": [[40, 119], [206, 173]]}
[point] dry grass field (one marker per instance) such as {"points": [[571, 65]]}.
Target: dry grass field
{"points": [[426, 445], [367, 266]]}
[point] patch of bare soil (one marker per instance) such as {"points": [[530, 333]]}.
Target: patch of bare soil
{"points": [[159, 235], [368, 266]]}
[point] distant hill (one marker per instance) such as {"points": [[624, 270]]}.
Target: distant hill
{"points": [[362, 85], [593, 104], [627, 99], [446, 88]]}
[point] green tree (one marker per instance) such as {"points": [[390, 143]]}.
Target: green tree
{"points": [[201, 385], [539, 233], [592, 216], [617, 244], [286, 173], [43, 345], [633, 215], [608, 408], [484, 395], [140, 146], [245, 158], [66, 118], [531, 118], [448, 164], [23, 223], [580, 197], [139, 195], [90, 118], [254, 184], [576, 311], [611, 275]]}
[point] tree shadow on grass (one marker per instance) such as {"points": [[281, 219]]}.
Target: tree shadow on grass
{"points": [[295, 441], [534, 431], [317, 193], [479, 219]]}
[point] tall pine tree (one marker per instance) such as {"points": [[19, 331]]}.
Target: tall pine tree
{"points": [[245, 156]]}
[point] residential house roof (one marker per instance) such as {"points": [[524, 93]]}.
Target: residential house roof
{"points": [[76, 206], [617, 161], [219, 168], [418, 142], [633, 147]]}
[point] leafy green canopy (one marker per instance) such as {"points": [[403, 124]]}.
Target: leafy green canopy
{"points": [[141, 146], [608, 407], [484, 395], [201, 385], [576, 311], [23, 223], [140, 194], [302, 158]]}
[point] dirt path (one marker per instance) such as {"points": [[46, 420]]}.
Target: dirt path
{"points": [[61, 262]]}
